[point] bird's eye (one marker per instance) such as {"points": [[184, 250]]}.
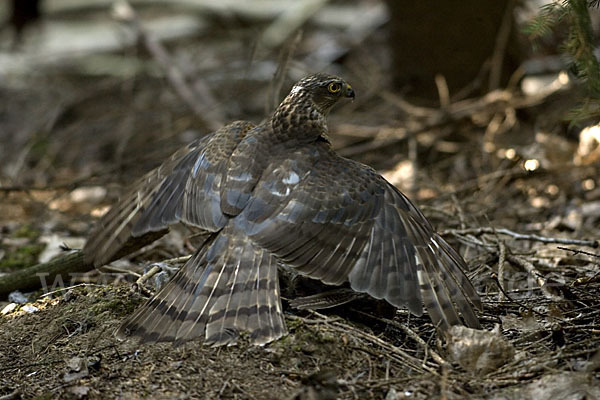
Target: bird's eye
{"points": [[334, 87]]}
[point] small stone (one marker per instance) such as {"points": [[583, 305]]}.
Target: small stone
{"points": [[17, 297], [28, 308], [92, 194], [9, 308]]}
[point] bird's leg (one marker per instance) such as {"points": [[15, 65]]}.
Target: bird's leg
{"points": [[161, 272]]}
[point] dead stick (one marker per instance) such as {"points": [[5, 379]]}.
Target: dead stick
{"points": [[435, 356], [575, 252], [520, 304], [501, 264], [531, 270], [520, 236], [45, 274]]}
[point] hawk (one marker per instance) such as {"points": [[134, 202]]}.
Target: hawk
{"points": [[278, 194]]}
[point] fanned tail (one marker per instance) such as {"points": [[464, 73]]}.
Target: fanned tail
{"points": [[227, 287]]}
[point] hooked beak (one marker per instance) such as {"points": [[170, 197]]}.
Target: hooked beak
{"points": [[349, 92]]}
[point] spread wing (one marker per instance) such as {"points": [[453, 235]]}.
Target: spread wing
{"points": [[183, 189], [335, 220]]}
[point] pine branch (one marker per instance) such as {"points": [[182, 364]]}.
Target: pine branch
{"points": [[579, 46]]}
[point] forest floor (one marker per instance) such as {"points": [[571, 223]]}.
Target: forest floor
{"points": [[502, 177]]}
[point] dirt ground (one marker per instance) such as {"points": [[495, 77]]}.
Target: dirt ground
{"points": [[65, 348], [504, 178]]}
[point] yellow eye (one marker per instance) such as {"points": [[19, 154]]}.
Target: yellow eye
{"points": [[334, 87]]}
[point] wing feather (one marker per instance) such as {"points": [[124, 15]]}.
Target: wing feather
{"points": [[183, 189], [343, 221]]}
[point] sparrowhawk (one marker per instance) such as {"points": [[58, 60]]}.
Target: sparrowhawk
{"points": [[278, 194]]}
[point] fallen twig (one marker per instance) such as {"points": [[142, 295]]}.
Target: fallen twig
{"points": [[531, 270], [15, 394], [285, 56], [496, 101], [43, 274], [413, 335], [501, 264], [70, 288], [510, 299], [519, 236], [396, 353], [404, 358], [575, 251]]}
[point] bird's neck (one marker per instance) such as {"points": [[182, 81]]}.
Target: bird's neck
{"points": [[296, 120]]}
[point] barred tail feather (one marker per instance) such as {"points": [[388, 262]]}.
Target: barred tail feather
{"points": [[251, 304], [159, 318], [227, 287]]}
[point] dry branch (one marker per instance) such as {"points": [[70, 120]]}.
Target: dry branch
{"points": [[501, 265], [36, 276], [427, 119], [519, 236], [534, 273]]}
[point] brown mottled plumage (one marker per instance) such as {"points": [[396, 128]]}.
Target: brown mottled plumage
{"points": [[276, 194]]}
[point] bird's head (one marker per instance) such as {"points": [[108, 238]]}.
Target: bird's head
{"points": [[322, 90], [302, 115]]}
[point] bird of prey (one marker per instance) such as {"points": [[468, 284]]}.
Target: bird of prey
{"points": [[278, 194]]}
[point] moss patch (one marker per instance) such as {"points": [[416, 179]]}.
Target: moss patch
{"points": [[21, 257]]}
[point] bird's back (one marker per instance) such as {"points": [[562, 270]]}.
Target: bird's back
{"points": [[276, 194]]}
